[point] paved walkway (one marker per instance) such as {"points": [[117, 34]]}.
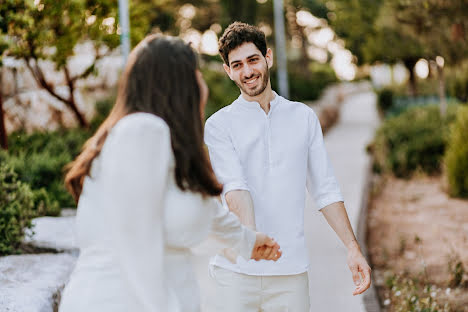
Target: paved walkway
{"points": [[331, 284]]}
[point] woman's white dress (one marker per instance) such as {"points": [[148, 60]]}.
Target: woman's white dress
{"points": [[136, 227]]}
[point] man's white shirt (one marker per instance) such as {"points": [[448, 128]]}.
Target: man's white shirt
{"points": [[274, 156]]}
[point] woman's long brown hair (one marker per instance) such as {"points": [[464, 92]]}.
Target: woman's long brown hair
{"points": [[160, 79]]}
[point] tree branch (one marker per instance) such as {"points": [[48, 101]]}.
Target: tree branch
{"points": [[38, 74]]}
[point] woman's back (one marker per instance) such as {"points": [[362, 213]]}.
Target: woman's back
{"points": [[133, 221]]}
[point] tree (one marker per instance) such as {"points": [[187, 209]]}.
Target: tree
{"points": [[390, 45], [50, 30], [354, 22], [440, 27]]}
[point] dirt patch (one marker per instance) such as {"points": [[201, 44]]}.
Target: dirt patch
{"points": [[417, 232]]}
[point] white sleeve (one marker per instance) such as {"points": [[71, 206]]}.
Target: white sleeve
{"points": [[224, 159], [134, 172], [321, 181], [228, 230]]}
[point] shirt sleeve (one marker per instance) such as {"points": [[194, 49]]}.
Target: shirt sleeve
{"points": [[321, 182], [228, 230], [134, 172], [224, 158]]}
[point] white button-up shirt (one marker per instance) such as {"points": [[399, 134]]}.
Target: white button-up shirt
{"points": [[274, 156]]}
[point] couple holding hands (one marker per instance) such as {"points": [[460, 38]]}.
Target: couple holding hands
{"points": [[148, 190]]}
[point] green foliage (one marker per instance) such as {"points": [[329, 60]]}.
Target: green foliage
{"points": [[354, 22], [390, 45], [412, 295], [223, 91], [16, 210], [437, 26], [102, 109], [306, 85], [414, 140], [44, 205], [456, 157], [457, 82], [241, 10], [39, 159], [38, 26]]}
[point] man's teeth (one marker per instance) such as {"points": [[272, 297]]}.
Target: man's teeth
{"points": [[251, 80]]}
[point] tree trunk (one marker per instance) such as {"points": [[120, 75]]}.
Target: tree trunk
{"points": [[71, 101], [413, 84], [3, 134], [443, 99]]}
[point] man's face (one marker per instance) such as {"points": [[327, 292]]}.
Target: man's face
{"points": [[249, 69]]}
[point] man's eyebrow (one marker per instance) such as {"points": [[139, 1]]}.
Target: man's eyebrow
{"points": [[248, 57]]}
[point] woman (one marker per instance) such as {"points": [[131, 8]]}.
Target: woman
{"points": [[146, 191]]}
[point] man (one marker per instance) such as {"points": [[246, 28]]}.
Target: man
{"points": [[266, 150]]}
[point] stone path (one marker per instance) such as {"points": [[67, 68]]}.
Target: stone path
{"points": [[331, 285]]}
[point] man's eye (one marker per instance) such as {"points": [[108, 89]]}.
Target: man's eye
{"points": [[253, 60], [235, 66]]}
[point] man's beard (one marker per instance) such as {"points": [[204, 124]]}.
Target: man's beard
{"points": [[265, 75]]}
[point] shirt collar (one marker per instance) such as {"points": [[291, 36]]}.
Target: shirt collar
{"points": [[255, 105]]}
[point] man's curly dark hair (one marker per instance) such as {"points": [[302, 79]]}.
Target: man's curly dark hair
{"points": [[237, 34]]}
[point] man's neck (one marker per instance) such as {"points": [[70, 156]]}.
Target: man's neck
{"points": [[263, 98]]}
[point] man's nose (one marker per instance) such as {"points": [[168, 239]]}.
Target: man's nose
{"points": [[248, 72]]}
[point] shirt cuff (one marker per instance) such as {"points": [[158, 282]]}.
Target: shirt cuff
{"points": [[247, 243], [235, 185], [328, 199]]}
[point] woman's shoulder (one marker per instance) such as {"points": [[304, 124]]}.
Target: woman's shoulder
{"points": [[141, 124]]}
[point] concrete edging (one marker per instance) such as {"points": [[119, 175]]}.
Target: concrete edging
{"points": [[370, 298]]}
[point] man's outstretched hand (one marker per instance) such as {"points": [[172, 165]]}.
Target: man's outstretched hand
{"points": [[359, 269], [265, 248]]}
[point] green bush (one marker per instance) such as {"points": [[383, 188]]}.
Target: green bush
{"points": [[223, 91], [39, 158], [44, 205], [41, 161], [457, 82], [102, 109], [16, 210], [456, 157], [414, 140], [306, 85]]}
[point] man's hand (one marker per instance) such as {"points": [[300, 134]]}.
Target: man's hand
{"points": [[265, 248], [337, 217], [359, 269]]}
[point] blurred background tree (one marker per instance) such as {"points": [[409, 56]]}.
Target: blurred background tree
{"points": [[50, 30]]}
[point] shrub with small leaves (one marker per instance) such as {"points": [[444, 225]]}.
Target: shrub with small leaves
{"points": [[16, 210], [414, 140], [456, 157]]}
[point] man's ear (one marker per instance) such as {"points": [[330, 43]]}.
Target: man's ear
{"points": [[227, 69], [269, 57]]}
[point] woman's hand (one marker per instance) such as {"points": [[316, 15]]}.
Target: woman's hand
{"points": [[265, 248]]}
